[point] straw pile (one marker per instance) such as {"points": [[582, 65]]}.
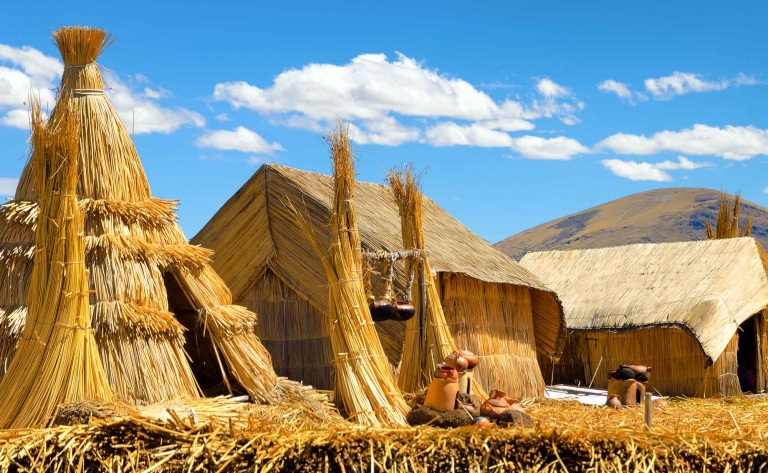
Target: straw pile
{"points": [[428, 339], [729, 435], [57, 358], [364, 384]]}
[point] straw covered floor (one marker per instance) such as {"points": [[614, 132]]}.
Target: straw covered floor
{"points": [[689, 435]]}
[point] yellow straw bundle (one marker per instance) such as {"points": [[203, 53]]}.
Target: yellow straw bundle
{"points": [[427, 345], [57, 359], [364, 382], [727, 223]]}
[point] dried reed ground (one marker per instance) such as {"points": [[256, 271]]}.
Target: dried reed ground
{"points": [[689, 435]]}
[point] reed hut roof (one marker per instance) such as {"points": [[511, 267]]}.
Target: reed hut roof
{"points": [[707, 288], [254, 231]]}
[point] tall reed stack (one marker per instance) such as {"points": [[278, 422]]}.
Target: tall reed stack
{"points": [[727, 223], [57, 359], [151, 292], [428, 338], [364, 383]]}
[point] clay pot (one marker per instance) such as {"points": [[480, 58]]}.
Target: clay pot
{"points": [[472, 359], [470, 408], [494, 407], [626, 390], [623, 373], [457, 361], [443, 390], [482, 422], [404, 310], [382, 310], [641, 372], [514, 404], [497, 394], [613, 401]]}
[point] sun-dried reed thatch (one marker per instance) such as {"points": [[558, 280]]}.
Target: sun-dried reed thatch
{"points": [[364, 383], [490, 301], [57, 359], [673, 306], [151, 291], [727, 223]]}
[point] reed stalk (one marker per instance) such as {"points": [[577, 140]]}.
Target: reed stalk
{"points": [[727, 222], [364, 383]]}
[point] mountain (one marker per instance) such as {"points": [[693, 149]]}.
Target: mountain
{"points": [[656, 216]]}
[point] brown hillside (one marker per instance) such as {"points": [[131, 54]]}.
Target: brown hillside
{"points": [[656, 216]]}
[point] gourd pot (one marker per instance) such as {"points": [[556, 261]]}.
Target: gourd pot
{"points": [[457, 361], [382, 310], [494, 407], [472, 359], [404, 310]]}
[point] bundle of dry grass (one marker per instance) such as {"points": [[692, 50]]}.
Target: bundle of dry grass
{"points": [[727, 223], [729, 435], [152, 294], [364, 383], [57, 359], [428, 339]]}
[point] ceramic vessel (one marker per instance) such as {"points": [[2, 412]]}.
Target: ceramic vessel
{"points": [[482, 422], [472, 359], [494, 407], [443, 390], [457, 361], [382, 310], [514, 403], [626, 390], [404, 310], [465, 381], [641, 372], [497, 394], [613, 401]]}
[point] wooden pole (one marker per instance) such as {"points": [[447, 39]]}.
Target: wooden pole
{"points": [[648, 410]]}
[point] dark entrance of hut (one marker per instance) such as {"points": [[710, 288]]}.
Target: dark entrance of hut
{"points": [[748, 355], [204, 361]]}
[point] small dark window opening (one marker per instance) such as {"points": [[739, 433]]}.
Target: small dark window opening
{"points": [[746, 356], [204, 362]]}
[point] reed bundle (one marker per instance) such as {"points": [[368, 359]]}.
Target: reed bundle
{"points": [[727, 223], [364, 383], [57, 359], [428, 339], [688, 435]]}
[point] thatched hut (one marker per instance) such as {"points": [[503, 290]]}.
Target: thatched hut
{"points": [[155, 302], [695, 311], [493, 305]]}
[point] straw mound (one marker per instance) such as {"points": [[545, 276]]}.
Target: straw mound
{"points": [[691, 435]]}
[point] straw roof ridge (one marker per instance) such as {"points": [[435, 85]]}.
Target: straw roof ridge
{"points": [[691, 286]]}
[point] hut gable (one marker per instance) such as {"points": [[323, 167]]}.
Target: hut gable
{"points": [[707, 288], [254, 231]]}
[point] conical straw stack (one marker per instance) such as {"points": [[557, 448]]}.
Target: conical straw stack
{"points": [[426, 346], [364, 383], [57, 359]]}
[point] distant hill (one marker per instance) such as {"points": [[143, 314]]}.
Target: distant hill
{"points": [[656, 216]]}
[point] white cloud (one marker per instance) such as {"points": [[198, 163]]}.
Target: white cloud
{"points": [[635, 171], [765, 190], [387, 132], [17, 118], [8, 186], [241, 139], [645, 171], [222, 117], [39, 73], [559, 148], [680, 83], [682, 163], [618, 88], [737, 143], [375, 94], [531, 147]]}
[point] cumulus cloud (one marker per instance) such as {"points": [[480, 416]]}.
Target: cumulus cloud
{"points": [[26, 69], [559, 148], [8, 186], [222, 117], [619, 88], [644, 171], [736, 143], [240, 139], [376, 94]]}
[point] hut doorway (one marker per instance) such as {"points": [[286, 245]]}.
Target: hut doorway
{"points": [[203, 358], [748, 355]]}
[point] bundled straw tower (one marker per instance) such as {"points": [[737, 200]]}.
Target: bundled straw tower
{"points": [[57, 359], [150, 291], [364, 383], [428, 338]]}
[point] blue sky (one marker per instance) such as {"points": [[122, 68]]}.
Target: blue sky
{"points": [[521, 112]]}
